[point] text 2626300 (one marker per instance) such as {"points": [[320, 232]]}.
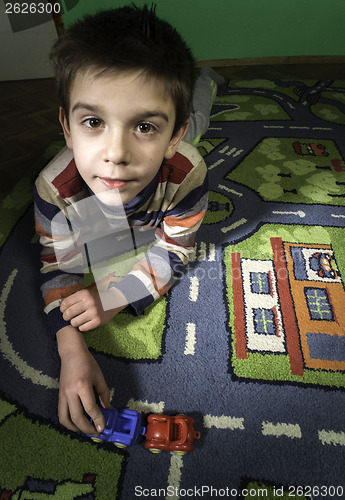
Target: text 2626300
{"points": [[32, 8], [316, 491]]}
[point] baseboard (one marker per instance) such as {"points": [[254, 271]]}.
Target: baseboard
{"points": [[270, 61]]}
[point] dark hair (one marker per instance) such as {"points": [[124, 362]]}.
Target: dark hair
{"points": [[128, 38]]}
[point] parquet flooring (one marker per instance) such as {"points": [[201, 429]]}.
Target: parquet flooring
{"points": [[29, 112], [29, 121]]}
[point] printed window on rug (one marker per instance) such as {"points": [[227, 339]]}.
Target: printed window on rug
{"points": [[318, 304], [264, 321], [260, 283]]}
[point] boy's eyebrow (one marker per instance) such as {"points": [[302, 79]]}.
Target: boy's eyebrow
{"points": [[152, 114], [89, 107], [93, 108]]}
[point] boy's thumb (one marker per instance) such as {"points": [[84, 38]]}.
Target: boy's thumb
{"points": [[104, 397]]}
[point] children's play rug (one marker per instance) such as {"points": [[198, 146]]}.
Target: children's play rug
{"points": [[250, 343]]}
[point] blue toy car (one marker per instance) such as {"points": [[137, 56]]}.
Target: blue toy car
{"points": [[122, 427]]}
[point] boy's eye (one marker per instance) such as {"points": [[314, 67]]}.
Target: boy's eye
{"points": [[145, 128], [93, 122]]}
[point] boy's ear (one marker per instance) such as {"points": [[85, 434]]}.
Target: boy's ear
{"points": [[175, 141], [65, 127]]}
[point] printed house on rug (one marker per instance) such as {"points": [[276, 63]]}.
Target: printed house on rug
{"points": [[291, 305]]}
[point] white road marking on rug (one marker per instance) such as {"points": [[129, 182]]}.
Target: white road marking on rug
{"points": [[322, 128], [338, 216], [281, 429], [216, 163], [332, 437], [193, 253], [300, 213], [235, 225], [26, 371], [212, 253], [237, 153], [223, 422], [145, 406], [190, 339], [295, 127], [273, 126], [193, 288], [229, 190], [202, 251], [175, 473], [232, 150]]}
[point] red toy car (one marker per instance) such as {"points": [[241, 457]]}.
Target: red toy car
{"points": [[168, 433]]}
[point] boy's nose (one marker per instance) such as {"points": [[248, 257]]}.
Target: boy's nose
{"points": [[116, 149]]}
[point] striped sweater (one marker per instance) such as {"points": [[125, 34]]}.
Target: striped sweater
{"points": [[173, 204]]}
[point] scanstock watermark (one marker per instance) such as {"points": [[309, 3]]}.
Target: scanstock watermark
{"points": [[199, 492], [322, 491]]}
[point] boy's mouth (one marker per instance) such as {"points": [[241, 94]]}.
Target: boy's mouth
{"points": [[113, 183]]}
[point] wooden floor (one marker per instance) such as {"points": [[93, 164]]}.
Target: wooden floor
{"points": [[29, 111], [29, 121]]}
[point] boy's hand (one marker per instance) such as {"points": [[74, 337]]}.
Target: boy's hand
{"points": [[85, 311], [80, 379]]}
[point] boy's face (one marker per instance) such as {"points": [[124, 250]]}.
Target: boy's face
{"points": [[120, 129]]}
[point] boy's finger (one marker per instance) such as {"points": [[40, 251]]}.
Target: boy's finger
{"points": [[97, 418], [105, 402], [103, 392], [78, 418], [104, 397], [74, 311], [85, 325], [64, 415], [80, 320], [71, 300], [67, 302], [72, 417]]}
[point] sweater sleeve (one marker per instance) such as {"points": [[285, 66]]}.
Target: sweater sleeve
{"points": [[56, 282]]}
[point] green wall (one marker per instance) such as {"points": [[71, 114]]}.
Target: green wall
{"points": [[225, 29]]}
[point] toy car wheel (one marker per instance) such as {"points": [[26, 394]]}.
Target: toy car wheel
{"points": [[181, 453], [120, 445], [96, 440], [154, 450]]}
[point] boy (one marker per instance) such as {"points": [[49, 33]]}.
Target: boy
{"points": [[125, 80]]}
